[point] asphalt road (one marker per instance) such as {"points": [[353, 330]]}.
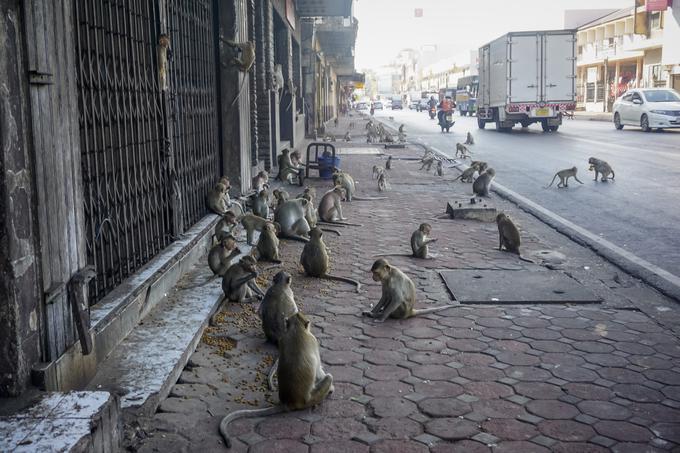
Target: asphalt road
{"points": [[639, 212]]}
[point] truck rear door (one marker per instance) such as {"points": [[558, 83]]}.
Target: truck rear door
{"points": [[524, 72], [559, 65]]}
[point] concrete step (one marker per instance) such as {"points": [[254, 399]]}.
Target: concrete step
{"points": [[142, 369], [64, 422]]}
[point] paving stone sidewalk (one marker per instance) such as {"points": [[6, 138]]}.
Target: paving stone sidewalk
{"points": [[516, 378]]}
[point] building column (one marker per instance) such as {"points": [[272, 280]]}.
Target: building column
{"points": [[617, 75], [638, 72]]}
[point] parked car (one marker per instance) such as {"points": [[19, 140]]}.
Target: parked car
{"points": [[423, 105], [648, 108], [361, 106], [397, 104], [414, 105], [377, 105]]}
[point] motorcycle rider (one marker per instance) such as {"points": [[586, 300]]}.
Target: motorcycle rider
{"points": [[432, 104], [445, 106]]}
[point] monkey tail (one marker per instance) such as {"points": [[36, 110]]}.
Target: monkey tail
{"points": [[526, 260], [396, 254], [245, 413], [240, 90], [294, 237], [368, 198], [335, 222], [424, 311], [270, 375], [351, 281], [329, 230], [551, 182]]}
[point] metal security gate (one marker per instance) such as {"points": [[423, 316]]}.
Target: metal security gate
{"points": [[149, 155]]}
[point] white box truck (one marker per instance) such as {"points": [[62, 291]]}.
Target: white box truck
{"points": [[527, 77]]}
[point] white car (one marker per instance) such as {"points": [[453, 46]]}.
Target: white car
{"points": [[648, 108]]}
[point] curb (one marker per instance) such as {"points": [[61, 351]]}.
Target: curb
{"points": [[660, 279]]}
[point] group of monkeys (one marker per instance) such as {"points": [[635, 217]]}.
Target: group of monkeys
{"points": [[600, 167]]}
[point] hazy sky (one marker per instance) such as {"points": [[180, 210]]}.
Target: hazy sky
{"points": [[386, 26]]}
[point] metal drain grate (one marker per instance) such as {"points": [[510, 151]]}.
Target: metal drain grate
{"points": [[471, 286]]}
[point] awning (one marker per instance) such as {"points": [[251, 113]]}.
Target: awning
{"points": [[319, 8], [337, 37]]}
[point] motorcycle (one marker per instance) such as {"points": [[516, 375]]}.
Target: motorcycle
{"points": [[446, 121], [433, 112]]}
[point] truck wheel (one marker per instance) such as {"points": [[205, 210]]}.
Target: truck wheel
{"points": [[525, 124], [481, 123], [544, 126], [554, 128]]}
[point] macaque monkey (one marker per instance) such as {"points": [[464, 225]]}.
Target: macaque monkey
{"points": [[303, 383], [260, 204], [427, 162], [388, 164], [225, 226], [352, 125], [467, 175], [221, 254], [482, 184], [250, 223], [345, 180], [377, 171], [296, 158], [469, 140], [277, 305], [335, 121], [287, 170], [281, 196], [462, 151], [216, 199], [238, 282], [481, 166], [398, 294], [382, 182], [316, 262], [439, 171], [244, 62], [267, 248], [508, 236], [260, 181], [401, 129], [601, 167], [419, 243], [164, 54], [347, 138], [291, 217], [330, 207], [564, 176]]}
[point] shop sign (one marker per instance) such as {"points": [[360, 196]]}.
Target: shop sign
{"points": [[658, 5]]}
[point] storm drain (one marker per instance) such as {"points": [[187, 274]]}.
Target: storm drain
{"points": [[470, 286]]}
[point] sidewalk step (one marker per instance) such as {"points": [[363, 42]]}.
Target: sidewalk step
{"points": [[147, 363], [64, 422]]}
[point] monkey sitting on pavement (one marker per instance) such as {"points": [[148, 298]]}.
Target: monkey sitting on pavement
{"points": [[469, 140], [388, 164], [267, 248], [251, 223], [225, 226], [427, 162], [221, 254], [382, 182], [260, 181], [467, 175], [345, 180], [330, 207], [601, 167], [316, 262], [564, 176], [281, 196], [288, 170], [238, 282], [398, 294], [292, 219], [439, 171], [377, 170], [419, 243], [260, 204], [303, 383], [508, 236], [483, 183]]}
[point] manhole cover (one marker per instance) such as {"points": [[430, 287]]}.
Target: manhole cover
{"points": [[358, 150], [470, 286]]}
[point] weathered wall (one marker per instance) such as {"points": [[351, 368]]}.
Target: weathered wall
{"points": [[264, 61], [19, 281]]}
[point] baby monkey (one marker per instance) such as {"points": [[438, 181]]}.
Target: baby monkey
{"points": [[564, 176], [398, 294], [419, 243]]}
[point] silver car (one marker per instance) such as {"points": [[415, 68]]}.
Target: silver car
{"points": [[648, 108]]}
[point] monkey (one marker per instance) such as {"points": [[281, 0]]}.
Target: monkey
{"points": [[388, 164], [227, 199], [508, 236], [439, 171], [315, 259], [303, 383], [481, 166], [260, 181], [469, 140], [310, 210], [401, 137], [267, 247], [564, 176], [387, 137], [382, 182], [330, 209], [291, 217], [216, 199], [419, 243], [277, 305], [347, 138], [296, 159], [427, 162], [164, 54], [260, 204], [401, 129], [601, 167], [252, 222], [377, 171], [221, 254], [244, 63], [225, 225], [345, 180], [329, 138], [352, 125], [308, 194], [467, 175], [483, 183], [335, 122], [278, 81], [286, 168], [462, 150], [398, 294], [281, 196], [238, 282]]}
